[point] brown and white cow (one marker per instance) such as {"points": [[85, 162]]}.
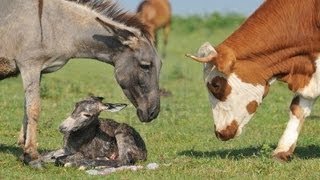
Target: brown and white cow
{"points": [[281, 40]]}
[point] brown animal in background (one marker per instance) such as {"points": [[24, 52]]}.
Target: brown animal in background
{"points": [[156, 14]]}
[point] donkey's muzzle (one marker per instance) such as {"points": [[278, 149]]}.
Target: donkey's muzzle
{"points": [[148, 115]]}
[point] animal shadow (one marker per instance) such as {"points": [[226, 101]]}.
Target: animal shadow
{"points": [[225, 154], [17, 151], [11, 149], [305, 152]]}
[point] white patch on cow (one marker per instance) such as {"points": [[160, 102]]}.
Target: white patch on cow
{"points": [[290, 135], [235, 106], [312, 90]]}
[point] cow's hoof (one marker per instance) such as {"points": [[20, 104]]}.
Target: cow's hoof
{"points": [[282, 156]]}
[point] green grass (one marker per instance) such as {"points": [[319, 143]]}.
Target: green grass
{"points": [[181, 139]]}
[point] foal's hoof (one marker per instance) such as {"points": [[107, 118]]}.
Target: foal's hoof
{"points": [[282, 156]]}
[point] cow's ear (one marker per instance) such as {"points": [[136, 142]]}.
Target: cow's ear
{"points": [[223, 58]]}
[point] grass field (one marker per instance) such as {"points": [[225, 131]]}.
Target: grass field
{"points": [[181, 139]]}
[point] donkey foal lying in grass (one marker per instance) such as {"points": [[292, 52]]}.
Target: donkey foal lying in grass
{"points": [[91, 142]]}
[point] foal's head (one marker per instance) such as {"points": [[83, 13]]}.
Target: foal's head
{"points": [[87, 112]]}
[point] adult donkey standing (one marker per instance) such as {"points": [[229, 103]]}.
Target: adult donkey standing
{"points": [[40, 36]]}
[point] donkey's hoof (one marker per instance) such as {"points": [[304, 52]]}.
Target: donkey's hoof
{"points": [[33, 161], [282, 156], [36, 164]]}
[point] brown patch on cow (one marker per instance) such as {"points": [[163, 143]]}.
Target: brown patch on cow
{"points": [[295, 108], [225, 59], [229, 132], [285, 156], [252, 107], [300, 72], [219, 88]]}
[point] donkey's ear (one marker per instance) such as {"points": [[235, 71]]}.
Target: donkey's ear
{"points": [[112, 107], [126, 37]]}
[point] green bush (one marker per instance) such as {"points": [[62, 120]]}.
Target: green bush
{"points": [[188, 24]]}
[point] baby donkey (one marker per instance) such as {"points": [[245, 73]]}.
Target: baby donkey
{"points": [[91, 142]]}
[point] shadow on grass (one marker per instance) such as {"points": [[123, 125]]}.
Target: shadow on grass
{"points": [[307, 152], [16, 150], [226, 154], [11, 149], [314, 117]]}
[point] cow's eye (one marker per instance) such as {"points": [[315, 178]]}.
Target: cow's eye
{"points": [[216, 85]]}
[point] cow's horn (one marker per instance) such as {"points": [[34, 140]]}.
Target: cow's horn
{"points": [[202, 59]]}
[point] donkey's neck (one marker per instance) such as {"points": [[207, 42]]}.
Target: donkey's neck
{"points": [[82, 36], [277, 37]]}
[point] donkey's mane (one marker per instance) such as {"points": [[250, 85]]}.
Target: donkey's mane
{"points": [[111, 10]]}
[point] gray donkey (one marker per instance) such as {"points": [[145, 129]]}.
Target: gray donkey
{"points": [[40, 36], [91, 142]]}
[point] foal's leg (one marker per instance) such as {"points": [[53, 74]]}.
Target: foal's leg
{"points": [[78, 160], [300, 108], [129, 152], [28, 135]]}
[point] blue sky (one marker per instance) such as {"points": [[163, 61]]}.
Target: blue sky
{"points": [[185, 7]]}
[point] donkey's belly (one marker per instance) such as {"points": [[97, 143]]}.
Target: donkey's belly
{"points": [[8, 68]]}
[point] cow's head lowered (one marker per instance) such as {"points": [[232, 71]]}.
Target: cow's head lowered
{"points": [[233, 100]]}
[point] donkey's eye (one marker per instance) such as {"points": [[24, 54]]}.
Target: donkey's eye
{"points": [[145, 65]]}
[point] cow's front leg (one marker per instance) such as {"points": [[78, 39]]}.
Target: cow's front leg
{"points": [[28, 134], [300, 108]]}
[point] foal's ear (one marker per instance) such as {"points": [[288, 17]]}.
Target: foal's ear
{"points": [[96, 98], [112, 107]]}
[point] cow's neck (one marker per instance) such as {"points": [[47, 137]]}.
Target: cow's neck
{"points": [[280, 40]]}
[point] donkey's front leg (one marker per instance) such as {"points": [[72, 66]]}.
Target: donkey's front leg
{"points": [[28, 135], [300, 108]]}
